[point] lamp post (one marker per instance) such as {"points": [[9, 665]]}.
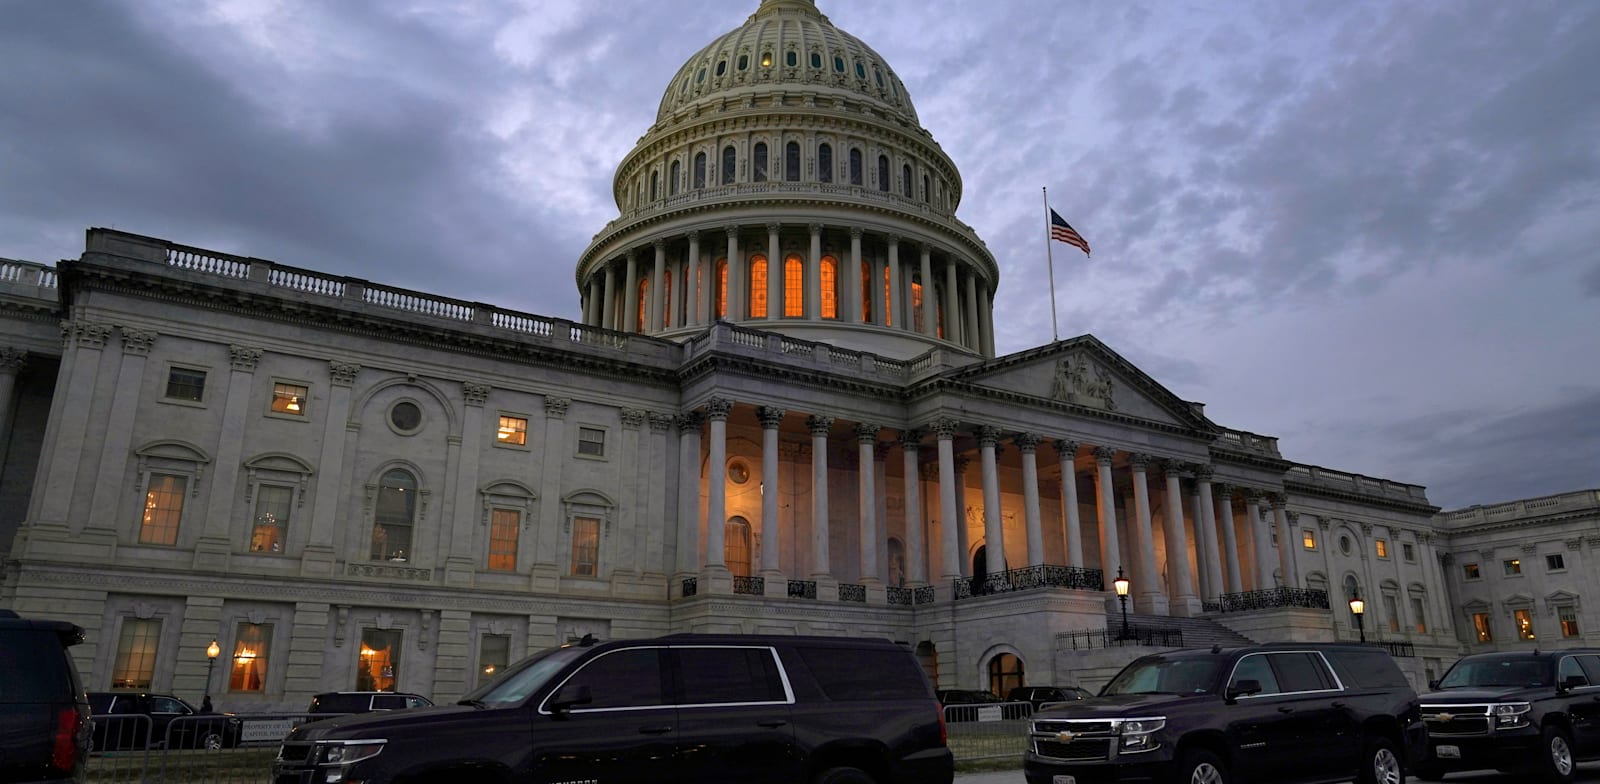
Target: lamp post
{"points": [[1121, 584], [1358, 608], [212, 651]]}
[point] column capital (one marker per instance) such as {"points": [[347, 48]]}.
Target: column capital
{"points": [[856, 232], [1203, 472], [1366, 530], [659, 243], [556, 407], [1027, 442], [1225, 490], [815, 229], [1065, 450], [911, 440], [1325, 523], [732, 230], [1250, 494], [1172, 466], [692, 235], [1103, 455], [475, 393], [12, 359], [769, 416], [892, 239], [633, 418], [88, 334], [1140, 461], [773, 227], [244, 358], [944, 428], [343, 373], [717, 408], [1278, 500], [1293, 517], [632, 255], [988, 435], [691, 420], [867, 432], [138, 341], [660, 423], [819, 425]]}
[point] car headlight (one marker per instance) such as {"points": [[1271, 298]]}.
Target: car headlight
{"points": [[354, 751], [1139, 735], [1511, 714]]}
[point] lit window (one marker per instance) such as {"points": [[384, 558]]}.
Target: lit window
{"points": [[830, 287], [512, 430], [585, 546], [1382, 547], [736, 546], [186, 384], [1569, 620], [1524, 619], [866, 292], [1391, 612], [163, 509], [1480, 624], [758, 287], [766, 59], [394, 517], [591, 441], [916, 316], [273, 506], [794, 299], [722, 288], [1513, 566], [640, 320], [1554, 562], [1419, 618], [379, 668], [503, 527], [289, 399], [494, 653], [1308, 538], [1470, 571], [136, 653], [250, 657]]}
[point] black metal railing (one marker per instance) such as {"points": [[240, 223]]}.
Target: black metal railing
{"points": [[1271, 598], [924, 595], [1031, 578], [802, 589], [691, 586], [753, 586], [898, 595], [1396, 648], [852, 592], [1113, 637]]}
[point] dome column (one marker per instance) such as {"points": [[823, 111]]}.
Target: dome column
{"points": [[609, 307], [734, 306], [971, 312], [930, 307], [657, 288], [852, 280], [696, 287], [897, 311], [592, 306], [775, 288], [630, 296], [986, 319], [813, 295], [953, 318]]}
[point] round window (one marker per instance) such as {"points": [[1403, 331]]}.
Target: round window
{"points": [[405, 416], [1344, 545], [738, 472]]}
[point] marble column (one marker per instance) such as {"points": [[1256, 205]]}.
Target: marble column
{"points": [[820, 558], [1263, 539], [1110, 549], [770, 418], [994, 543], [608, 306], [986, 320], [916, 565], [62, 454], [880, 304], [736, 273], [717, 410], [930, 305], [952, 313], [963, 534], [945, 431], [867, 501], [109, 488], [211, 551], [971, 318], [1286, 546], [1067, 455], [777, 292], [593, 303], [318, 557], [813, 304], [851, 278], [1028, 445], [461, 553], [689, 493], [897, 306], [630, 307], [698, 289], [658, 287], [1206, 519], [1183, 602], [1149, 596], [1230, 539]]}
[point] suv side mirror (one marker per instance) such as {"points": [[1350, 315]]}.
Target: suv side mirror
{"points": [[1574, 682], [1243, 688], [1433, 685], [577, 695]]}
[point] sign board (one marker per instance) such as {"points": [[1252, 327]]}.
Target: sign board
{"points": [[263, 730], [989, 713]]}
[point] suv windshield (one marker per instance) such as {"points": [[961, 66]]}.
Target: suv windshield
{"points": [[1165, 674], [1497, 672], [523, 678]]}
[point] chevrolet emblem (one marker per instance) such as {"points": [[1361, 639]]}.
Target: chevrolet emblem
{"points": [[1065, 736], [1445, 716]]}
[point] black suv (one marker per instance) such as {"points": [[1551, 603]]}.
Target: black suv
{"points": [[136, 720], [1535, 712], [365, 701], [44, 720], [682, 708], [1310, 712]]}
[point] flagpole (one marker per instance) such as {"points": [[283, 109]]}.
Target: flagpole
{"points": [[1050, 262]]}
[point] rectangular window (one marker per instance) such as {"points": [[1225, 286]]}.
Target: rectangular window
{"points": [[591, 441], [731, 675], [1554, 562], [273, 506], [503, 527], [163, 508], [585, 546], [1391, 612], [1513, 566], [1470, 571], [1480, 624], [1382, 547], [1568, 616], [289, 399], [186, 384], [1308, 538], [494, 653], [513, 430], [1418, 619], [136, 653], [250, 657], [1524, 619], [1408, 552], [379, 668]]}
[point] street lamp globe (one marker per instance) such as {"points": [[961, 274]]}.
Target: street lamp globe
{"points": [[1358, 608], [1121, 586]]}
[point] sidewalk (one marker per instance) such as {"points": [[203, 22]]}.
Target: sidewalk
{"points": [[991, 777]]}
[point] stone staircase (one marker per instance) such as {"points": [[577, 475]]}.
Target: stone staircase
{"points": [[1197, 632]]}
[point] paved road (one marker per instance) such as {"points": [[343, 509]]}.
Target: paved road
{"points": [[1589, 772]]}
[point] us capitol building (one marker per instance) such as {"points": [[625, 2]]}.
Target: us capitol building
{"points": [[782, 412]]}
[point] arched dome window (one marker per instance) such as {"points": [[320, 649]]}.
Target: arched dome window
{"points": [[878, 74], [642, 317], [791, 162], [830, 287], [816, 60], [866, 293], [720, 303], [791, 58], [666, 302], [888, 299], [883, 173], [926, 191], [824, 162], [794, 282], [729, 164], [655, 185], [722, 67], [758, 287], [758, 163], [861, 71], [916, 302], [699, 170], [905, 179], [674, 177], [855, 166], [766, 59], [744, 61]]}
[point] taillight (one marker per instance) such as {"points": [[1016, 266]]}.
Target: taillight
{"points": [[64, 756], [944, 733]]}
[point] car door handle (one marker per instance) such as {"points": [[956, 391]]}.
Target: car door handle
{"points": [[658, 730], [1286, 709], [771, 725], [1339, 705]]}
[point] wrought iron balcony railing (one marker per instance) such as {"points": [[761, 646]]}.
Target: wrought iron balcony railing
{"points": [[752, 586], [1271, 598], [852, 592], [802, 589], [1031, 578]]}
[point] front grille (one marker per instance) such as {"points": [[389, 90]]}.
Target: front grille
{"points": [[1074, 726], [1077, 750], [1463, 719]]}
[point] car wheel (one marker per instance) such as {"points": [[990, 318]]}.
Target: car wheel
{"points": [[212, 741], [1379, 764], [1428, 773], [1203, 767], [1556, 764], [842, 776]]}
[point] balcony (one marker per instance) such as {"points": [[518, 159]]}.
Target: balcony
{"points": [[1031, 578]]}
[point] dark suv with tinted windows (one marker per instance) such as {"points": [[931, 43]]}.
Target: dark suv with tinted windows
{"points": [[681, 708], [365, 701], [1536, 712], [44, 718], [1275, 714]]}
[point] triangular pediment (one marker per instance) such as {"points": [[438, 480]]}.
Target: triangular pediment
{"points": [[1082, 373]]}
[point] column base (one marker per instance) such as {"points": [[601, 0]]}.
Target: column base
{"points": [[827, 587], [774, 584], [716, 580], [211, 554], [1186, 607], [458, 572], [1154, 604], [316, 561]]}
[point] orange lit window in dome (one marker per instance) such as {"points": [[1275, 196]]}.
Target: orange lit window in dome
{"points": [[830, 287], [916, 305], [793, 286], [666, 301], [766, 59], [642, 321], [721, 305], [758, 287], [866, 291], [888, 299]]}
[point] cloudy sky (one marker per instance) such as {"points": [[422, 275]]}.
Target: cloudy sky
{"points": [[1369, 229]]}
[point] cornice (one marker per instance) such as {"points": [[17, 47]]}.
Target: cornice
{"points": [[1366, 500], [1575, 515], [935, 387]]}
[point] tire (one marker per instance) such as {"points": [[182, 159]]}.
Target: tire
{"points": [[1427, 772], [842, 776], [1379, 764], [1555, 760], [211, 741], [1203, 767]]}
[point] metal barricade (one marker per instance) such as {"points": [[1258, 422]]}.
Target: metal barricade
{"points": [[205, 748], [987, 730]]}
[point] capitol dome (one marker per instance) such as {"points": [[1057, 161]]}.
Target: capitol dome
{"points": [[792, 149]]}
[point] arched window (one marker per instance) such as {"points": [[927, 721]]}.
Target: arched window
{"points": [[666, 301], [830, 287], [824, 162], [938, 308], [736, 546], [883, 173], [655, 185], [394, 516], [916, 303], [720, 309], [794, 282], [897, 563], [866, 292], [791, 162], [926, 191], [699, 170], [905, 179], [729, 164], [758, 287], [1005, 674], [758, 163], [855, 166], [674, 177], [791, 58], [888, 299], [642, 324]]}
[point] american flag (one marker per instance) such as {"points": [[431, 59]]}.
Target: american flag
{"points": [[1063, 231]]}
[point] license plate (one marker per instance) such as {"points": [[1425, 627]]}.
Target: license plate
{"points": [[1447, 752], [1063, 780]]}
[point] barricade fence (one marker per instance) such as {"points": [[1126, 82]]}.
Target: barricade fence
{"points": [[988, 730], [205, 748]]}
